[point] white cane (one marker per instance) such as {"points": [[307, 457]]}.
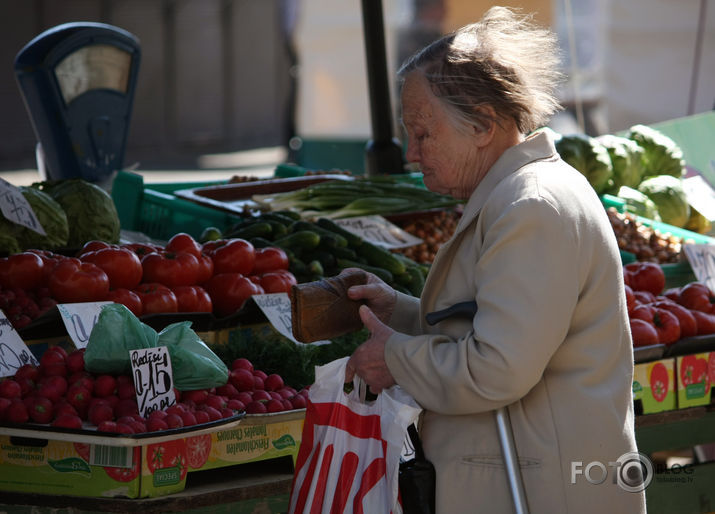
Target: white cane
{"points": [[501, 416]]}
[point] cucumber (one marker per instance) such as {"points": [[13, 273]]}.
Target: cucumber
{"points": [[353, 240], [326, 258], [328, 238], [278, 229], [303, 240], [249, 230], [382, 273], [278, 216], [260, 242], [417, 281], [344, 253], [292, 215], [315, 268], [297, 267], [380, 257]]}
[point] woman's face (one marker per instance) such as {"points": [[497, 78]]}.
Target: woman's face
{"points": [[448, 158]]}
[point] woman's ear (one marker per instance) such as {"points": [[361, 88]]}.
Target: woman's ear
{"points": [[484, 134]]}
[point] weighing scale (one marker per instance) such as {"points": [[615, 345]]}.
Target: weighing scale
{"points": [[78, 81]]}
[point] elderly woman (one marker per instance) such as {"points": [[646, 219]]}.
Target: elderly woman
{"points": [[535, 250]]}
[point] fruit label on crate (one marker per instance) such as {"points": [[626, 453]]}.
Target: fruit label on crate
{"points": [[79, 320], [13, 350], [379, 231], [702, 260], [276, 307], [153, 379], [17, 209]]}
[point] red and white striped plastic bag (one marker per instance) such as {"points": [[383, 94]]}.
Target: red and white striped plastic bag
{"points": [[349, 456]]}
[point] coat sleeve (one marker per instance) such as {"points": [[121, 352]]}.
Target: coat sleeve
{"points": [[526, 280], [405, 317]]}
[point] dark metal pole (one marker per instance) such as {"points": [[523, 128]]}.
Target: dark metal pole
{"points": [[383, 153]]}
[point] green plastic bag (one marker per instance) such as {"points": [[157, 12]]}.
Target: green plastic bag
{"points": [[117, 331]]}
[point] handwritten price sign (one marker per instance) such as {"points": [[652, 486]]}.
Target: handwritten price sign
{"points": [[13, 350], [702, 260], [79, 320], [153, 380], [17, 209], [379, 231]]}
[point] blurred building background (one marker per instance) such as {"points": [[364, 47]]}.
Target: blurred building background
{"points": [[223, 76]]}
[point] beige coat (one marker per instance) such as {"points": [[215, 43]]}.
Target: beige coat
{"points": [[551, 340]]}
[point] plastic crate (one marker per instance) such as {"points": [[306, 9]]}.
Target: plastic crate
{"points": [[154, 211]]}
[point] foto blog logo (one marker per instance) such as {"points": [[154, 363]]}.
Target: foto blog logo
{"points": [[632, 471]]}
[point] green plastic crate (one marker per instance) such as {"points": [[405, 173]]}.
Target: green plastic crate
{"points": [[154, 211]]}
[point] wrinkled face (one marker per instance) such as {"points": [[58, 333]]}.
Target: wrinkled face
{"points": [[446, 156]]}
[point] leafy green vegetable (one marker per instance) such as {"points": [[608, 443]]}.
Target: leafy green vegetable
{"points": [[661, 155], [52, 218], [626, 157], [638, 203], [589, 157], [90, 210], [669, 197], [8, 243]]}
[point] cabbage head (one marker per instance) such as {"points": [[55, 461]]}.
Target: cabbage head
{"points": [[8, 243], [626, 157], [669, 197], [661, 155], [90, 210], [52, 218], [638, 203], [589, 157]]}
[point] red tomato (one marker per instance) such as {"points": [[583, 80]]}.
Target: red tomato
{"points": [[206, 268], [21, 270], [193, 299], [229, 291], [157, 298], [659, 381], [704, 321], [236, 256], [697, 296], [210, 246], [183, 242], [646, 276], [128, 298], [688, 325], [75, 281], [121, 265], [665, 322], [170, 269], [141, 249], [290, 278], [630, 298], [270, 258], [203, 300], [644, 297], [93, 246], [672, 294], [643, 333], [272, 282]]}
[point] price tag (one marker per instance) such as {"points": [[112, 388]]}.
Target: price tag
{"points": [[17, 209], [700, 195], [702, 260], [276, 307], [153, 380], [379, 231], [79, 320], [13, 350]]}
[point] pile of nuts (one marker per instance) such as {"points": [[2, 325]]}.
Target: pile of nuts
{"points": [[645, 242], [433, 229]]}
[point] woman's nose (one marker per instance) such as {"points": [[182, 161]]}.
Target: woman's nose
{"points": [[412, 155]]}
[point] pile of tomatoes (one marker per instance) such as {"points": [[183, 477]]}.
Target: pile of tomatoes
{"points": [[664, 317], [183, 276]]}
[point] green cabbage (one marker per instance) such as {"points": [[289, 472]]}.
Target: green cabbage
{"points": [[626, 158], [669, 197], [661, 155], [8, 243], [90, 210], [52, 218], [638, 203], [589, 157]]}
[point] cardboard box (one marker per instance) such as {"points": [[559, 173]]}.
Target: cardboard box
{"points": [[654, 385], [148, 465], [694, 376]]}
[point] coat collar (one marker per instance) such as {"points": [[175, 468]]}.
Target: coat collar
{"points": [[536, 147]]}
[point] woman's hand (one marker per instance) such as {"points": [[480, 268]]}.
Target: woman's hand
{"points": [[368, 360], [380, 297]]}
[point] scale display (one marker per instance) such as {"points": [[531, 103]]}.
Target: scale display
{"points": [[78, 82]]}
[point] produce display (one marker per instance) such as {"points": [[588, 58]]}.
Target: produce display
{"points": [[665, 317], [60, 392], [434, 229], [646, 243]]}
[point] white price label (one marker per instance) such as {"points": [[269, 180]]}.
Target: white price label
{"points": [[79, 320], [276, 307], [702, 260], [379, 231], [14, 353], [17, 209], [153, 379]]}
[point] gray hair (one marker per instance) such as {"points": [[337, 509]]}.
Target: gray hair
{"points": [[504, 60]]}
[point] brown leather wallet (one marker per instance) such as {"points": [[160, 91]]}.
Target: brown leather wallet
{"points": [[322, 310]]}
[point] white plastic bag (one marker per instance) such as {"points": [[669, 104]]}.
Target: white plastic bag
{"points": [[350, 450]]}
